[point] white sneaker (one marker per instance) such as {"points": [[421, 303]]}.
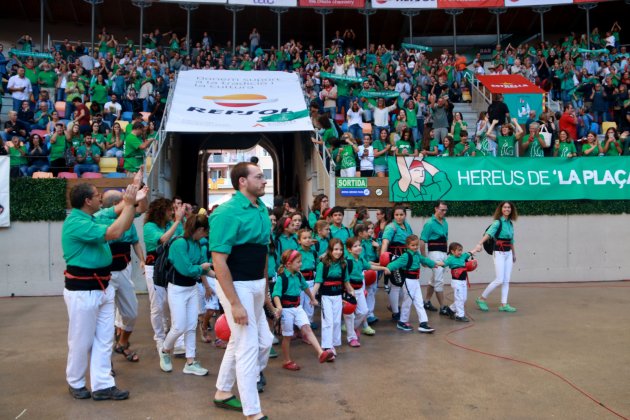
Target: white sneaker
{"points": [[275, 340], [195, 369], [165, 362], [179, 350]]}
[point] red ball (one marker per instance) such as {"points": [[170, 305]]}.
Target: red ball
{"points": [[222, 329], [370, 277]]}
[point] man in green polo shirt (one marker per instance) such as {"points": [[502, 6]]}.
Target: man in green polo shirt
{"points": [[89, 300], [135, 147], [435, 235], [239, 236]]}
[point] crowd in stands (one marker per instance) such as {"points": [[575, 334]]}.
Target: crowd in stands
{"points": [[365, 103]]}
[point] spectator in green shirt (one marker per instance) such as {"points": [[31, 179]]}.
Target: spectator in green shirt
{"points": [[88, 156], [17, 157], [135, 147]]}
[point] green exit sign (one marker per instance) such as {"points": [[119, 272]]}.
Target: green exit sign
{"points": [[352, 182]]}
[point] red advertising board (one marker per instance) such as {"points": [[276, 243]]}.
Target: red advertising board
{"points": [[508, 84], [451, 4], [333, 4]]}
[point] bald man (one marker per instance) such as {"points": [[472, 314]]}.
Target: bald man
{"points": [[121, 269]]}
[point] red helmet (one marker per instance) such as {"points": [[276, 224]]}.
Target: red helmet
{"points": [[471, 265], [222, 329], [370, 277], [385, 259], [349, 304]]}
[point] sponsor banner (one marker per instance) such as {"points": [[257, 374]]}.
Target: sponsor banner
{"points": [[267, 3], [509, 84], [452, 4], [522, 103], [518, 3], [333, 4], [5, 168], [351, 182], [404, 4], [490, 178], [219, 101]]}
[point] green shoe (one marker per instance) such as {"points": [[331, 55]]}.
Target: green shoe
{"points": [[506, 308], [231, 403], [482, 305], [343, 327], [368, 331], [272, 353]]}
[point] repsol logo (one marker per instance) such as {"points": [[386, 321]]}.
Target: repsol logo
{"points": [[237, 112]]}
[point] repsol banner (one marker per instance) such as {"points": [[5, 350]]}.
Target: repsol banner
{"points": [[214, 101], [492, 178]]}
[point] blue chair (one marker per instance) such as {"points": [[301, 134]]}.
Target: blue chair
{"points": [[116, 175], [127, 116]]}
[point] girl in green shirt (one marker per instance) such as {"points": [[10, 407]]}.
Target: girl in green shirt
{"points": [[347, 156], [406, 146], [286, 299], [449, 146], [564, 146], [429, 145], [98, 91], [592, 147], [458, 125], [612, 145], [115, 142], [381, 148]]}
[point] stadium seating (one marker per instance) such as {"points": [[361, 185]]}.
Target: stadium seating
{"points": [[60, 107], [43, 175], [92, 175], [108, 164], [67, 175]]}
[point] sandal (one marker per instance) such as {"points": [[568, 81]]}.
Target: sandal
{"points": [[131, 356], [204, 337], [290, 365], [230, 403], [326, 356]]}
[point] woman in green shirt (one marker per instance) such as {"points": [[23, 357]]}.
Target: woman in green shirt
{"points": [[429, 145], [74, 136], [406, 146], [458, 125], [115, 142], [17, 157], [507, 139], [98, 91], [449, 146], [381, 149], [612, 144], [564, 146], [592, 146]]}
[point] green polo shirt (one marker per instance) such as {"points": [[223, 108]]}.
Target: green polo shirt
{"points": [[239, 222], [505, 146], [284, 242], [335, 270], [133, 154], [107, 216], [57, 148], [295, 284], [368, 250], [152, 234], [272, 265], [358, 266], [322, 244], [186, 256], [341, 232], [31, 74], [83, 241], [94, 149], [417, 261], [313, 217], [309, 261], [507, 229], [395, 233], [456, 262], [48, 78], [434, 230]]}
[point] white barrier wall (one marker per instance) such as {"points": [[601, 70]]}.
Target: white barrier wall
{"points": [[548, 249]]}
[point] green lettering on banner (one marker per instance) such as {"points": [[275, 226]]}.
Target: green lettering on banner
{"points": [[352, 182], [492, 178]]}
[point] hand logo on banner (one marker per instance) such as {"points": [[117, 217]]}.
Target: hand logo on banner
{"points": [[418, 180]]}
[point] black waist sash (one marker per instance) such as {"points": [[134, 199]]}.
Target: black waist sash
{"points": [[503, 245], [121, 255], [438, 244], [397, 248], [180, 280], [79, 278], [151, 256], [247, 262], [332, 286]]}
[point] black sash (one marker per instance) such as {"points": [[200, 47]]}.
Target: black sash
{"points": [[247, 262], [78, 278]]}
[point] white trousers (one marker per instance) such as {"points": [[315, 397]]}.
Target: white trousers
{"points": [[247, 352], [184, 305], [371, 297], [331, 321], [305, 301], [355, 320], [412, 293], [158, 300], [125, 299], [437, 278], [394, 297], [348, 172], [503, 270], [90, 330], [460, 294]]}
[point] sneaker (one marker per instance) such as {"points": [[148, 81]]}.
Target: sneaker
{"points": [[481, 304], [262, 379], [165, 362], [371, 320], [195, 369], [387, 288], [260, 385], [429, 306], [403, 326], [462, 319], [79, 393], [272, 353], [368, 331], [179, 352], [506, 308], [424, 328], [343, 327], [354, 343], [396, 317], [445, 310], [275, 340], [112, 393]]}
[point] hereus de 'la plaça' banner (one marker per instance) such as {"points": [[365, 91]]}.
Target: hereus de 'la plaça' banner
{"points": [[493, 178]]}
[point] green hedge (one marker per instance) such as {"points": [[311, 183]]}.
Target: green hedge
{"points": [[34, 200], [528, 208]]}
